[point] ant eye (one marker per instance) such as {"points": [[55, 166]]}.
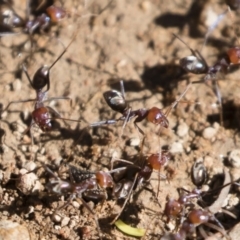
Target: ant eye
{"points": [[115, 100], [41, 78]]}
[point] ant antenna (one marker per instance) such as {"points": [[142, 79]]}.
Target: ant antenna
{"points": [[213, 26]]}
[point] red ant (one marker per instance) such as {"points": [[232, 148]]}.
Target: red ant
{"points": [[133, 176], [116, 101], [42, 115], [90, 185], [196, 64], [41, 21], [176, 208]]}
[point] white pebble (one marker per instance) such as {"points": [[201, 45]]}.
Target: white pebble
{"points": [[234, 158], [56, 218], [134, 142], [209, 132], [17, 85], [182, 129], [11, 230], [176, 147], [65, 221]]}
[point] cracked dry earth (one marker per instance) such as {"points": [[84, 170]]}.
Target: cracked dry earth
{"points": [[130, 41]]}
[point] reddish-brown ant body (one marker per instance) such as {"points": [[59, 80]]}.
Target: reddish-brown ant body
{"points": [[42, 115], [41, 21], [133, 176], [196, 217], [116, 101]]}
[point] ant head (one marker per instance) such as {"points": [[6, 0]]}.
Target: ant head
{"points": [[193, 64], [115, 100], [198, 216], [156, 116], [41, 78], [55, 13]]}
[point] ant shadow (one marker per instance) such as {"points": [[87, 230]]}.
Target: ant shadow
{"points": [[192, 18], [231, 114]]}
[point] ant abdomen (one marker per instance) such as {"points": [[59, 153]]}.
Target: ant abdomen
{"points": [[156, 116], [104, 179], [193, 65], [42, 118], [198, 216], [234, 55], [115, 100], [156, 161], [55, 13], [41, 78]]}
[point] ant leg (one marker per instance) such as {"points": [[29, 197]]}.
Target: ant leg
{"points": [[58, 116], [107, 122], [219, 97], [126, 200], [173, 105], [93, 214], [27, 75], [138, 128], [20, 101], [58, 98]]}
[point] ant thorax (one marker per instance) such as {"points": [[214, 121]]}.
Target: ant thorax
{"points": [[193, 64]]}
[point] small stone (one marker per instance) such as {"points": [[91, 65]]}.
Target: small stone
{"points": [[17, 85], [11, 230], [234, 158], [234, 232], [209, 132], [176, 147], [28, 182], [76, 204], [182, 129], [134, 142], [56, 218], [65, 221], [30, 166]]}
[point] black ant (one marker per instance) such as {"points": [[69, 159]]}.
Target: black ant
{"points": [[42, 115], [116, 101]]}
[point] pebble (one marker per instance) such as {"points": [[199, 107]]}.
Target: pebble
{"points": [[209, 132], [235, 232], [65, 221], [28, 182], [182, 129], [134, 142], [17, 85], [176, 147], [56, 218], [234, 158], [11, 230]]}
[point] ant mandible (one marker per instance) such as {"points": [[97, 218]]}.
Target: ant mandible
{"points": [[116, 101]]}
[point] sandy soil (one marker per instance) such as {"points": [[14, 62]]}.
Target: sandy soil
{"points": [[130, 41]]}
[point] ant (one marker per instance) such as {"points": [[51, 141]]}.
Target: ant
{"points": [[133, 176], [82, 184], [197, 64], [116, 101], [42, 115], [44, 17], [176, 208]]}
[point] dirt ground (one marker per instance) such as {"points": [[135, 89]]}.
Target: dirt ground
{"points": [[124, 40]]}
